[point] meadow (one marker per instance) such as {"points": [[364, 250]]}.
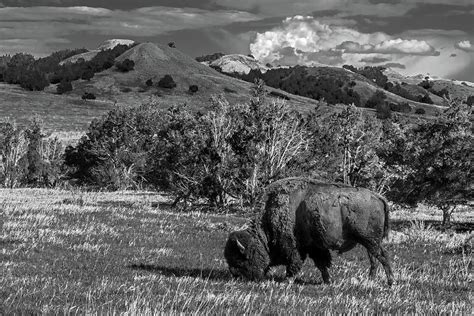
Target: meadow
{"points": [[75, 252]]}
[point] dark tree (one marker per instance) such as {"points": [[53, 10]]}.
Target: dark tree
{"points": [[376, 99], [172, 44], [125, 66], [193, 88], [88, 96], [149, 83], [420, 111], [167, 82], [64, 86]]}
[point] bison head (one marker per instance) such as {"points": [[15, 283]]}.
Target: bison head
{"points": [[246, 256]]}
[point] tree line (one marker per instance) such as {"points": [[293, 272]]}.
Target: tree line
{"points": [[36, 74], [230, 153]]}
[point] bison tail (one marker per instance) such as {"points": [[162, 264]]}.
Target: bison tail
{"points": [[386, 225]]}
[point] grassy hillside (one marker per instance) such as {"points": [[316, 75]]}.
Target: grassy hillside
{"points": [[110, 253], [154, 61], [366, 88], [59, 113]]}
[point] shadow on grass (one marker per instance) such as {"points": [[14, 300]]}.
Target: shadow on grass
{"points": [[207, 274]]}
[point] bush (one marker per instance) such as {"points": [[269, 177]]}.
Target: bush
{"points": [[193, 88], [28, 158], [231, 151], [172, 44], [470, 100], [167, 82], [376, 100], [400, 107], [425, 99], [64, 86], [88, 96], [149, 83], [125, 66], [114, 151], [420, 111], [229, 90], [87, 74]]}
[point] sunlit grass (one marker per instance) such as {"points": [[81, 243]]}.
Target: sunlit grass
{"points": [[107, 253]]}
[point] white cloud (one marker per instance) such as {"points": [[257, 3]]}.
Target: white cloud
{"points": [[306, 39], [465, 46]]}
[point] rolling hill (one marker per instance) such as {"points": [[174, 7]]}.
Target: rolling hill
{"points": [[154, 61]]}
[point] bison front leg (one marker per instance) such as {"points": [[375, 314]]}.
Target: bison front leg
{"points": [[294, 265], [322, 260]]}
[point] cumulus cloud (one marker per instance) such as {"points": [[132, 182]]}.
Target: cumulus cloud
{"points": [[465, 46], [303, 40]]}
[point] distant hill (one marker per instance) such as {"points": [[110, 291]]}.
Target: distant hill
{"points": [[108, 44], [457, 89], [236, 63]]}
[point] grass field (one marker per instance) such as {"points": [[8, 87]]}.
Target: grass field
{"points": [[76, 252]]}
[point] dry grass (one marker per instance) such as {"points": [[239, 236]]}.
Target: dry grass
{"points": [[93, 252]]}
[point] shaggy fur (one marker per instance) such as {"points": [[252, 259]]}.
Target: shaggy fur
{"points": [[308, 218]]}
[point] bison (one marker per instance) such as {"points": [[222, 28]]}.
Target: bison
{"points": [[304, 217]]}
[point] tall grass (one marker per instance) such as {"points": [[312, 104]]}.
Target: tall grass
{"points": [[113, 253]]}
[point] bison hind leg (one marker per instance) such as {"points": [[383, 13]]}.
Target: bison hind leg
{"points": [[373, 265], [378, 252], [322, 260]]}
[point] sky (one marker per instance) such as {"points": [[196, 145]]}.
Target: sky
{"points": [[413, 37]]}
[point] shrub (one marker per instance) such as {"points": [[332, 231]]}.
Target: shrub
{"points": [[125, 66], [28, 158], [230, 151], [425, 99], [172, 44], [193, 88], [377, 99], [88, 96], [64, 86], [87, 74], [400, 107], [420, 111], [470, 100], [126, 89], [229, 90], [149, 82], [167, 82], [114, 151], [383, 110]]}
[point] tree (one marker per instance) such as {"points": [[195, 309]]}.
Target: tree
{"points": [[167, 82], [377, 99], [440, 155], [64, 86], [193, 88], [125, 66], [87, 74], [343, 147]]}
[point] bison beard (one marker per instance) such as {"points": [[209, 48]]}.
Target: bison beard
{"points": [[307, 218]]}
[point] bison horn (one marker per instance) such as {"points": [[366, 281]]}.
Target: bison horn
{"points": [[241, 247]]}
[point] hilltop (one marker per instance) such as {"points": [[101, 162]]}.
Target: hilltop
{"points": [[237, 63]]}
